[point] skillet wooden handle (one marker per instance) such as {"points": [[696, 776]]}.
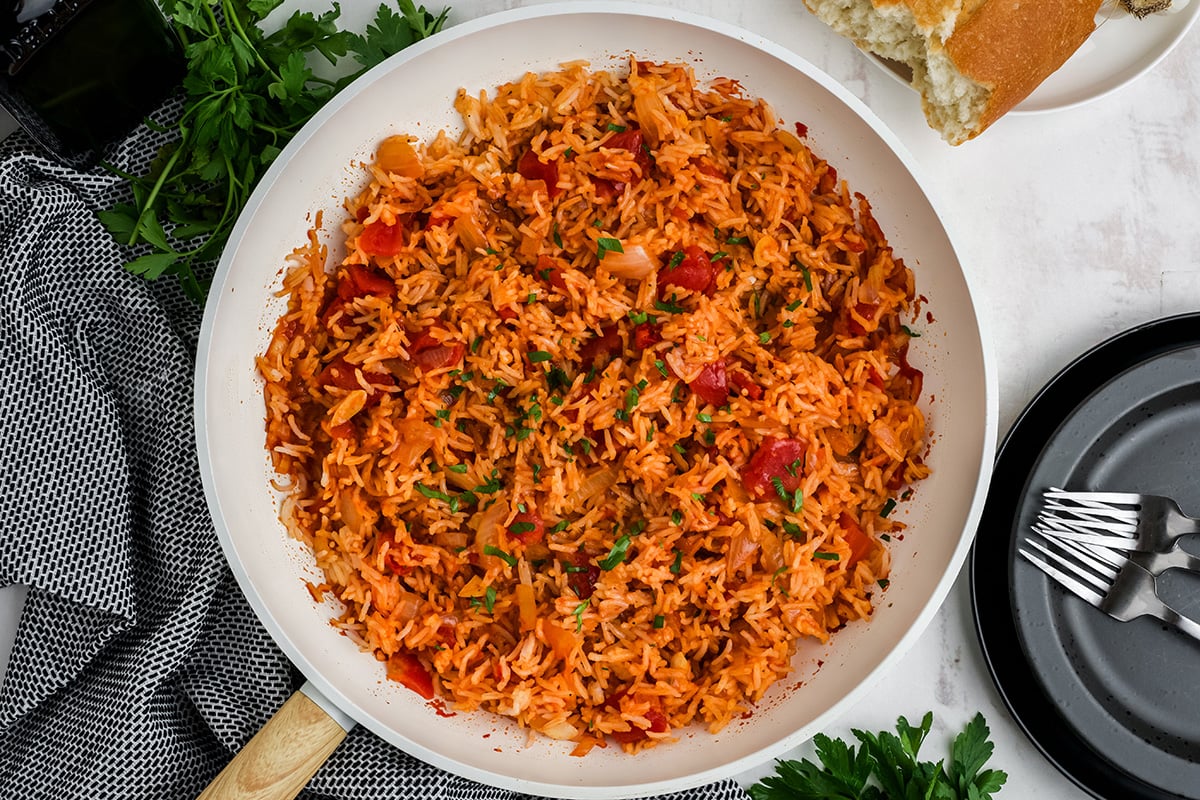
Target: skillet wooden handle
{"points": [[278, 762]]}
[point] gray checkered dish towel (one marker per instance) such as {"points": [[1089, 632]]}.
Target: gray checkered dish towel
{"points": [[138, 668]]}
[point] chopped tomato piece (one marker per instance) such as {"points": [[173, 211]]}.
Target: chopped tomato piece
{"points": [[341, 373], [344, 430], [864, 310], [361, 281], [828, 180], [429, 353], [692, 270], [774, 458], [606, 189], [746, 385], [551, 271], [582, 575], [914, 376], [631, 140], [712, 385], [380, 239], [601, 348], [532, 168], [801, 130], [335, 309], [706, 167], [658, 721], [527, 526], [860, 544], [646, 334], [406, 669], [507, 313], [391, 559]]}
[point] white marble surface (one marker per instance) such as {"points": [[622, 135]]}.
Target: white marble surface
{"points": [[1075, 225]]}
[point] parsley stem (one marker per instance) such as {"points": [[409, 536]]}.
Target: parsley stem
{"points": [[148, 207], [241, 32]]}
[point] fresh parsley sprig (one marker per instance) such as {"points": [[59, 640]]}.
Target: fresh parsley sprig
{"points": [[886, 767], [246, 93]]}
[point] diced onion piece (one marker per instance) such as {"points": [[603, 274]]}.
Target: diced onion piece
{"points": [[453, 540], [348, 506], [474, 588], [561, 641], [488, 527], [564, 731], [397, 156], [635, 263], [407, 607], [526, 607], [416, 436], [599, 480], [789, 140], [741, 550], [470, 233], [772, 551]]}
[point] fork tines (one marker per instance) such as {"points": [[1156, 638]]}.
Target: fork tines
{"points": [[1064, 571], [1094, 499]]}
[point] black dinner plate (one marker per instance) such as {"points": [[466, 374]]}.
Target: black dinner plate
{"points": [[1114, 706]]}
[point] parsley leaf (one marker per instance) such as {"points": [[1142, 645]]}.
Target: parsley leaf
{"points": [[886, 766], [617, 554]]}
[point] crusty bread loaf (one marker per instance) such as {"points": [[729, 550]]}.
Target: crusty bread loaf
{"points": [[971, 60]]}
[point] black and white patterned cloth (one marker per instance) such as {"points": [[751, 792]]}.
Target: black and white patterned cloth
{"points": [[138, 668]]}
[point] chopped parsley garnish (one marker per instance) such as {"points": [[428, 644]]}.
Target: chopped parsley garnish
{"points": [[578, 613], [883, 583], [612, 126], [912, 334], [433, 494], [556, 237], [607, 244], [717, 256], [888, 507], [827, 556], [671, 307], [676, 260], [662, 368], [738, 240], [704, 417], [496, 390], [489, 598], [507, 558], [792, 529], [617, 554], [659, 620], [517, 528], [676, 517], [631, 399], [792, 306], [677, 564], [459, 468], [764, 338], [807, 278], [559, 526]]}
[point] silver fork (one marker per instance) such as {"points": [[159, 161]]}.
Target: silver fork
{"points": [[1150, 526], [1120, 588]]}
